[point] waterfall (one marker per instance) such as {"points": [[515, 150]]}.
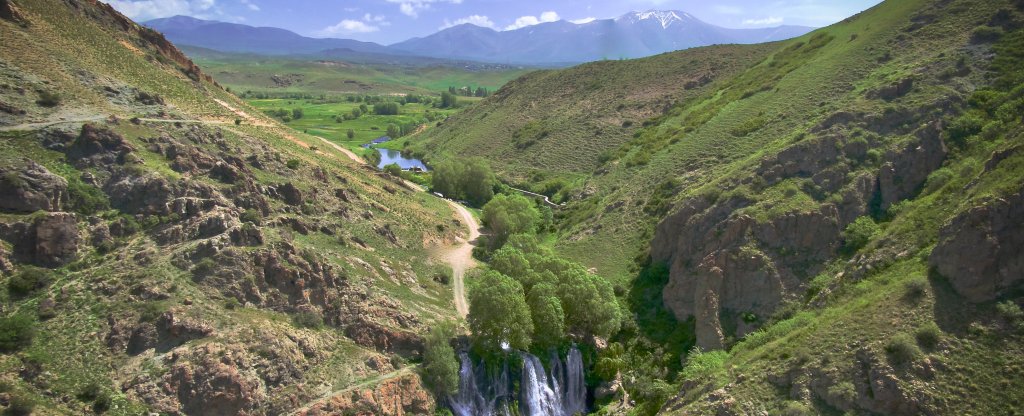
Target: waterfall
{"points": [[478, 395], [575, 394], [560, 392], [563, 393], [539, 397]]}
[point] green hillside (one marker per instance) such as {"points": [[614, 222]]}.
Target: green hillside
{"points": [[820, 189], [166, 248]]}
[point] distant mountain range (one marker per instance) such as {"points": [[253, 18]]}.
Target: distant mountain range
{"points": [[633, 35], [233, 37]]}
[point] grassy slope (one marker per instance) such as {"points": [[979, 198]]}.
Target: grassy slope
{"points": [[65, 52]]}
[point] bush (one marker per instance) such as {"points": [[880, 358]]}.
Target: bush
{"points": [[915, 289], [311, 320], [902, 349], [20, 406], [102, 402], [796, 409], [964, 128], [48, 99], [16, 332], [86, 199], [393, 170], [28, 280], [859, 233], [928, 335], [440, 368], [986, 34], [1011, 313], [293, 164], [251, 216], [701, 366], [90, 392]]}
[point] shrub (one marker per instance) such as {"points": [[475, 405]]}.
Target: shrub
{"points": [[251, 216], [350, 134], [20, 406], [48, 99], [928, 335], [902, 349], [844, 391], [28, 280], [293, 164], [986, 34], [440, 368], [204, 267], [393, 170], [238, 122], [859, 233], [796, 409], [306, 319], [151, 311], [16, 332], [964, 128], [102, 402], [90, 392], [1011, 313], [701, 366], [232, 304], [915, 289]]}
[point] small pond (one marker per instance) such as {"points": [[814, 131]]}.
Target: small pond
{"points": [[389, 156]]}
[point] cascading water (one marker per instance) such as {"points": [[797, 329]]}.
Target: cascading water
{"points": [[486, 397], [562, 392]]}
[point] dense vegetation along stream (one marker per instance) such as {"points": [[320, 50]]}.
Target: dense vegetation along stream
{"points": [[389, 156], [560, 392]]}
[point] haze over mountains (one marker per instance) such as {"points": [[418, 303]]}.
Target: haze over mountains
{"points": [[634, 35]]}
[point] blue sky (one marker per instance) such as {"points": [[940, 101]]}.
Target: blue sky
{"points": [[390, 21]]}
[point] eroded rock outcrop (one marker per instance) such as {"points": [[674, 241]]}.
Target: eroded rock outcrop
{"points": [[32, 188], [51, 240], [403, 395], [981, 251]]}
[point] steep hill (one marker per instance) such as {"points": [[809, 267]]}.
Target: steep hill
{"points": [[633, 35], [164, 248], [834, 217]]}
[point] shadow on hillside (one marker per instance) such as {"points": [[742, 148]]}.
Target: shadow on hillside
{"points": [[656, 326]]}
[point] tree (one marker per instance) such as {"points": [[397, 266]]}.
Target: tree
{"points": [[386, 109], [506, 215], [445, 179], [589, 302], [393, 131], [477, 181], [548, 317], [393, 169], [350, 134], [16, 332], [448, 100], [511, 262], [296, 114], [498, 314], [440, 368]]}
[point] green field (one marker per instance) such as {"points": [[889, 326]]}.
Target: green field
{"points": [[320, 119], [283, 75]]}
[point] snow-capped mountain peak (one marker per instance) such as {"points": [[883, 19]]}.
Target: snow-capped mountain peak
{"points": [[665, 17]]}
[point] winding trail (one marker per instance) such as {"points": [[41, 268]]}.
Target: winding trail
{"points": [[459, 256]]}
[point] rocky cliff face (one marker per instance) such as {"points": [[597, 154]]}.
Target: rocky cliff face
{"points": [[727, 265], [981, 251]]}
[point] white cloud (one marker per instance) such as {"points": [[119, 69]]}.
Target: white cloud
{"points": [[584, 20], [525, 21], [348, 27], [412, 8], [252, 6], [142, 10], [482, 21], [763, 22], [723, 9]]}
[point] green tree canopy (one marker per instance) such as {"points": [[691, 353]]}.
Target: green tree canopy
{"points": [[589, 303], [498, 313], [548, 317], [440, 367], [506, 215]]}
